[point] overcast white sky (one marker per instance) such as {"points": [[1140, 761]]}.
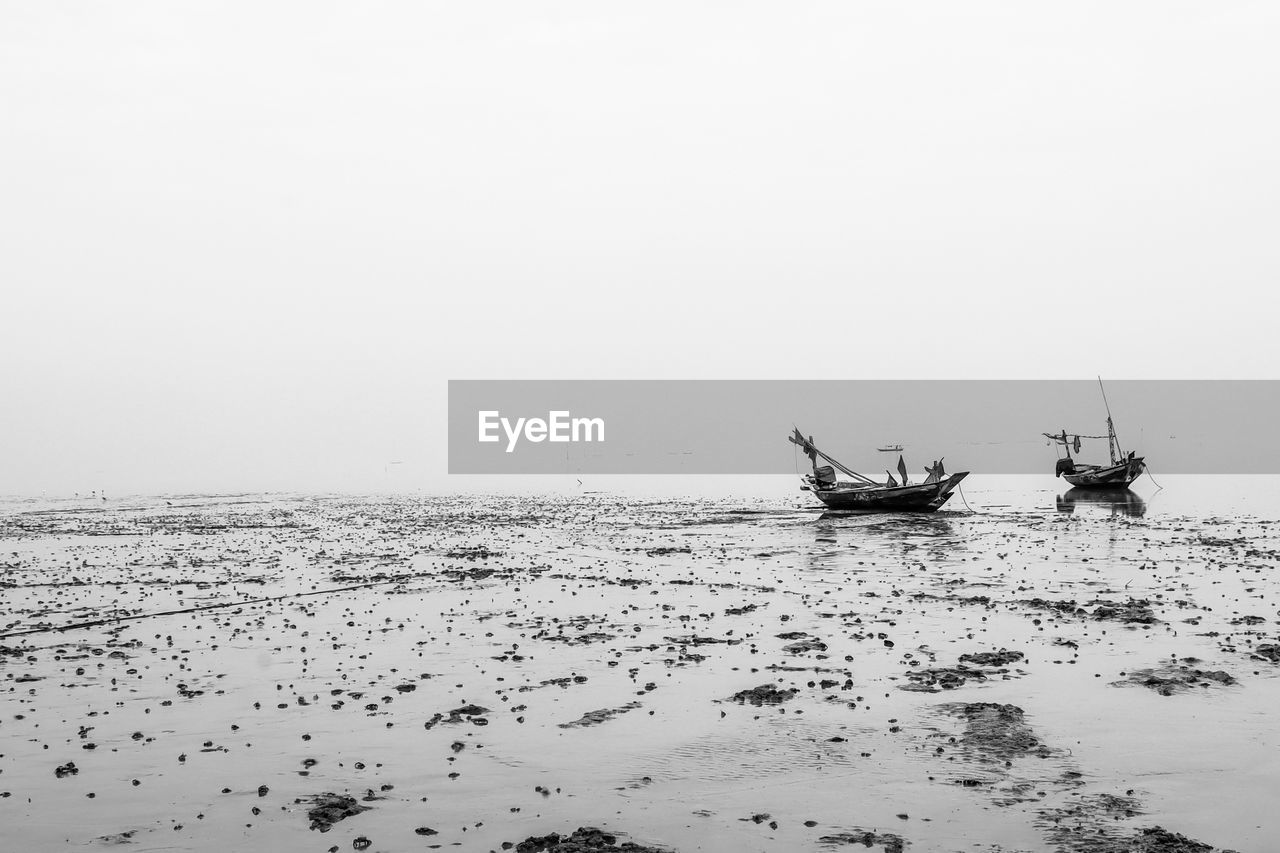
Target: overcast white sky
{"points": [[244, 245]]}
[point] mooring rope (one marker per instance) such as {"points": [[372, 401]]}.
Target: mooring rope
{"points": [[93, 623], [1147, 469], [960, 489]]}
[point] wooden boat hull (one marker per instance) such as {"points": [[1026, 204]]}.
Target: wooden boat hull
{"points": [[922, 497], [1109, 477]]}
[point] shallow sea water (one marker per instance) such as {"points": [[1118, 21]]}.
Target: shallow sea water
{"points": [[1145, 694]]}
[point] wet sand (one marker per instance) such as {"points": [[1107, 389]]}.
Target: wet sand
{"points": [[510, 672]]}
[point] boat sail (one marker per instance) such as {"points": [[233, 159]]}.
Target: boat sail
{"points": [[1123, 470], [866, 494]]}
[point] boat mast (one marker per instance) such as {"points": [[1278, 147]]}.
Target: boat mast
{"points": [[811, 450], [1113, 443]]}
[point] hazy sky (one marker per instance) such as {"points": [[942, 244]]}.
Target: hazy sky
{"points": [[244, 245]]}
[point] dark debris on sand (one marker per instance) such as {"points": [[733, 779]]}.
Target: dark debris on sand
{"points": [[117, 838], [585, 839], [887, 841], [810, 644], [1156, 839], [1134, 611], [1268, 652], [1066, 608], [477, 553], [328, 809], [1175, 678], [936, 679], [996, 659], [765, 694], [1088, 821], [998, 730], [1152, 839], [941, 678], [474, 714], [595, 718], [1091, 825]]}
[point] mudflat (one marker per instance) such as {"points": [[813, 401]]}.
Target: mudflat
{"points": [[600, 672]]}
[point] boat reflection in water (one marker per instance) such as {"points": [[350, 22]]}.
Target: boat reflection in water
{"points": [[889, 525], [843, 540], [1119, 501]]}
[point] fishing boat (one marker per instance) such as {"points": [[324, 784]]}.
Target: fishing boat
{"points": [[868, 495], [1123, 469]]}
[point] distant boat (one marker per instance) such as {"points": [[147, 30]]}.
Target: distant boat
{"points": [[893, 448], [868, 495], [1123, 470]]}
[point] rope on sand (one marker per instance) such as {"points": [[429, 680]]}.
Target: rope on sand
{"points": [[93, 623]]}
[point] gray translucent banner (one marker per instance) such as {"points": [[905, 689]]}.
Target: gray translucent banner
{"points": [[741, 426]]}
